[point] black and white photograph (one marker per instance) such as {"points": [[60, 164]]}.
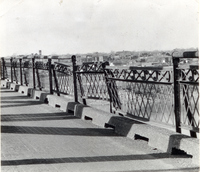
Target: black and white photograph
{"points": [[99, 85]]}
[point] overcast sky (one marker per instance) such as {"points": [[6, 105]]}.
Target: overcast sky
{"points": [[82, 26]]}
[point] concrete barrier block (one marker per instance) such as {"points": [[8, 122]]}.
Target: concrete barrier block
{"points": [[187, 144], [71, 106], [28, 91], [40, 95], [57, 101], [8, 84], [191, 147], [14, 87], [98, 117], [78, 110], [122, 125], [159, 138], [51, 100], [4, 83]]}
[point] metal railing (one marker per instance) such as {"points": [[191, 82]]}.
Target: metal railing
{"points": [[62, 81], [170, 96], [91, 81], [186, 93], [143, 93]]}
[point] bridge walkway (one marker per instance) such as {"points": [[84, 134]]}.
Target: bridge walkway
{"points": [[36, 137]]}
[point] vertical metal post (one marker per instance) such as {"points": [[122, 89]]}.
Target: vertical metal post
{"points": [[11, 71], [177, 103], [56, 82], [108, 84], [14, 71], [33, 69], [50, 77], [75, 78], [20, 70], [3, 68]]}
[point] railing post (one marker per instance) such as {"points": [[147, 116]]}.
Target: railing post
{"points": [[50, 77], [14, 71], [3, 68], [33, 70], [75, 78], [20, 70], [56, 82], [108, 84], [177, 103], [11, 71]]}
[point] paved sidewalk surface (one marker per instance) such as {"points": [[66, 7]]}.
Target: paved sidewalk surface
{"points": [[38, 138]]}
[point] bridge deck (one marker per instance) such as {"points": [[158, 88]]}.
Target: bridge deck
{"points": [[39, 138]]}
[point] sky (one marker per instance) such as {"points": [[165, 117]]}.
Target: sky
{"points": [[85, 26]]}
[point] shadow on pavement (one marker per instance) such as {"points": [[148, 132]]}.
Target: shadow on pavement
{"points": [[88, 159], [37, 117], [7, 91], [18, 101], [193, 169], [14, 97], [58, 131], [24, 103]]}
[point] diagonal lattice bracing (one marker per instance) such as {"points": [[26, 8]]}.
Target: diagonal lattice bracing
{"points": [[189, 97], [147, 94], [93, 85], [190, 105], [91, 81]]}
